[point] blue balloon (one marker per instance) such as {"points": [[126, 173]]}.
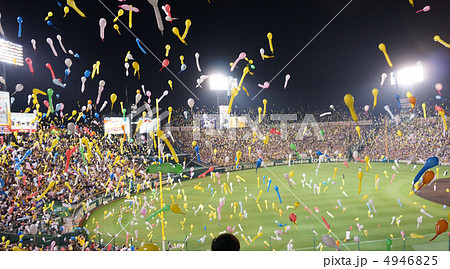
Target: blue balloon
{"points": [[138, 41], [19, 20], [49, 23], [57, 95], [87, 73], [96, 115], [197, 149], [258, 164], [319, 153], [430, 163], [132, 248], [84, 116], [397, 97], [77, 55], [12, 100], [44, 115]]}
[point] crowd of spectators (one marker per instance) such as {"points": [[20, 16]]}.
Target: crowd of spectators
{"points": [[406, 136]]}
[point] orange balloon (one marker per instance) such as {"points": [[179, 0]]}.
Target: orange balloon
{"points": [[138, 91], [338, 243], [89, 102], [441, 226], [428, 177]]}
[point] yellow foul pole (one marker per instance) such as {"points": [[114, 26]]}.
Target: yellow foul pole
{"points": [[160, 181]]}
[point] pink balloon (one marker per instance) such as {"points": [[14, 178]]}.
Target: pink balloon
{"points": [[46, 103], [366, 108], [165, 63], [438, 87]]}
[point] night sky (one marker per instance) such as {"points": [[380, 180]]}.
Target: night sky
{"points": [[343, 58]]}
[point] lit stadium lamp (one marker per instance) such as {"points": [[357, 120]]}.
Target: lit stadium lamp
{"points": [[408, 76], [219, 82], [11, 53]]}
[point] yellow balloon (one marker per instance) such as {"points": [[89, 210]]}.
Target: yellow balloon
{"points": [[414, 235], [375, 95], [259, 113], [139, 124], [116, 27], [234, 93], [66, 10], [360, 176], [438, 39], [36, 92], [442, 114], [170, 84], [349, 101], [265, 105], [408, 94], [358, 129], [136, 69], [149, 247], [170, 113], [188, 24], [194, 143], [113, 98], [382, 47], [167, 47], [119, 13], [49, 14], [71, 3], [177, 33], [399, 133], [175, 208], [291, 174], [269, 37], [424, 106]]}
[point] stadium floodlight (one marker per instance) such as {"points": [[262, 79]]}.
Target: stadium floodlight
{"points": [[11, 53], [219, 82], [408, 76]]}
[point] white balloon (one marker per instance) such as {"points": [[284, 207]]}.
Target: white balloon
{"points": [[127, 65], [33, 229], [190, 102], [33, 43], [138, 98], [19, 87], [60, 43], [68, 62], [71, 127], [103, 106], [102, 24], [154, 3], [83, 80], [286, 80], [197, 55]]}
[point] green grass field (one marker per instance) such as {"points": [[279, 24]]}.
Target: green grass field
{"points": [[379, 227]]}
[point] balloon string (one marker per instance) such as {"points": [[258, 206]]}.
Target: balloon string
{"points": [[307, 44], [151, 52]]}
